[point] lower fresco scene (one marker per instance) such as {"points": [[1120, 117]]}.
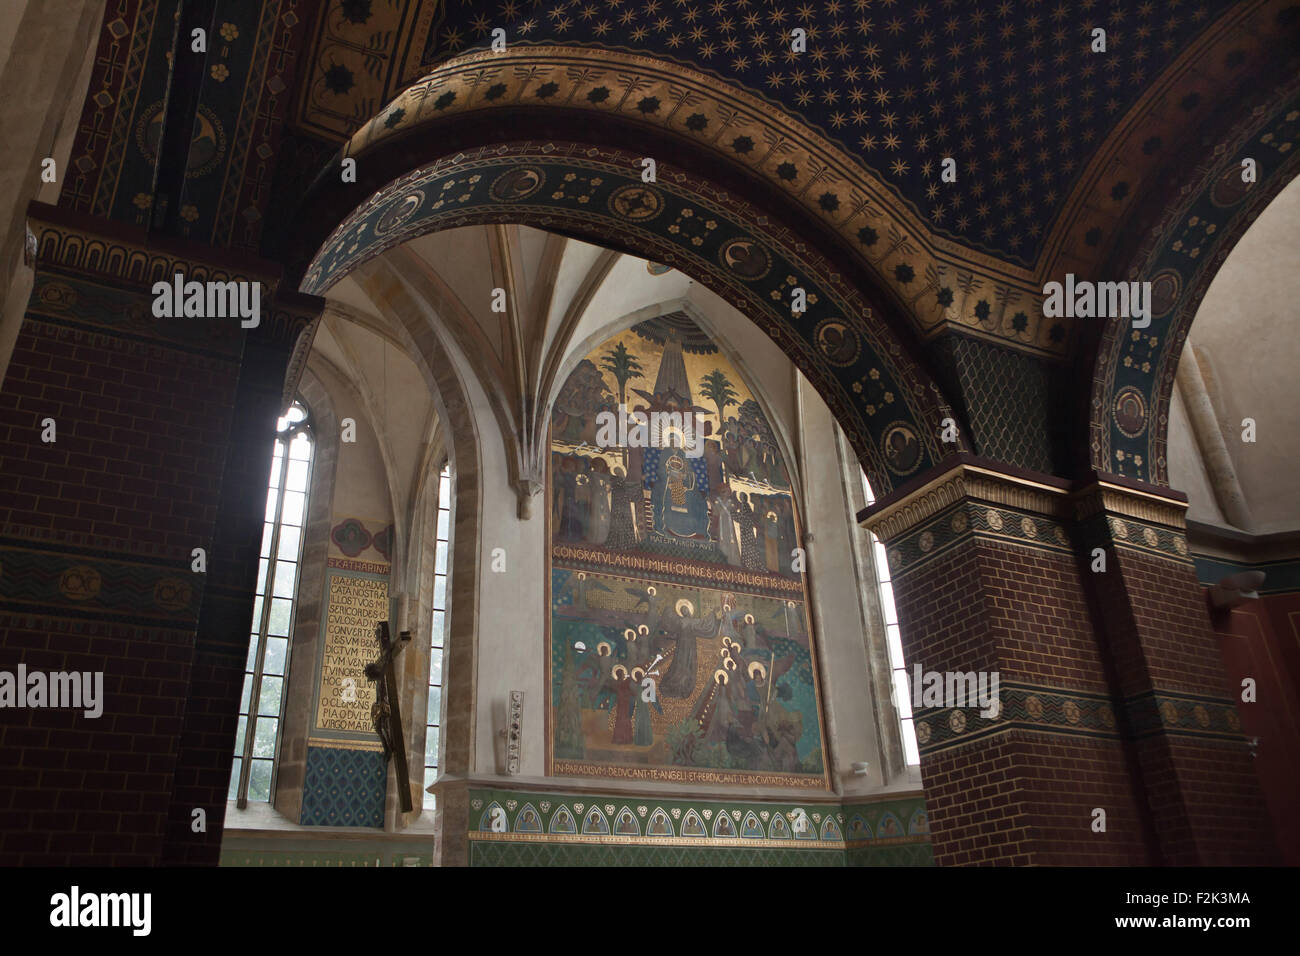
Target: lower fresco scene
{"points": [[679, 640], [662, 675]]}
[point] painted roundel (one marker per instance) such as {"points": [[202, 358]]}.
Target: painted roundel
{"points": [[518, 183], [207, 146], [901, 448], [398, 212], [1130, 412], [636, 203], [1228, 189], [837, 342], [80, 583], [172, 594], [746, 258], [1165, 288]]}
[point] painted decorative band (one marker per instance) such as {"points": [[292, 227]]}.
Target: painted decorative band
{"points": [[507, 816], [1154, 712], [1023, 707], [968, 519]]}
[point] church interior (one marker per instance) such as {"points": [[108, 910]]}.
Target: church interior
{"points": [[649, 433]]}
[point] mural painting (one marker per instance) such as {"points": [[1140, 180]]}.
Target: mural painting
{"points": [[679, 643]]}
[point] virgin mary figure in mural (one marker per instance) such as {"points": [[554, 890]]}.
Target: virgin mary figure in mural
{"points": [[679, 508]]}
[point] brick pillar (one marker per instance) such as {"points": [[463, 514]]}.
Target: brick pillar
{"points": [[985, 579], [1200, 781], [211, 717], [992, 572], [158, 422]]}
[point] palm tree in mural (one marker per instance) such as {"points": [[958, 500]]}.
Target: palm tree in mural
{"points": [[716, 387], [624, 366]]}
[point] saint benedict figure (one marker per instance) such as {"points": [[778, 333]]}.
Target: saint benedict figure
{"points": [[685, 629]]}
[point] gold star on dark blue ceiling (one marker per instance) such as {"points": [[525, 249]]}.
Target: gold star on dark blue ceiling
{"points": [[1012, 91]]}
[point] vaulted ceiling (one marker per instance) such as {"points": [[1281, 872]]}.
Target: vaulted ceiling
{"points": [[1068, 159], [564, 296], [1013, 91]]}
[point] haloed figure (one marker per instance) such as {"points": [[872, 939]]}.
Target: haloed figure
{"points": [[624, 696], [624, 498], [643, 731], [598, 522]]}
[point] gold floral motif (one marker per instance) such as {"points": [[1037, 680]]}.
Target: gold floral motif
{"points": [[1169, 712], [172, 594], [80, 583]]}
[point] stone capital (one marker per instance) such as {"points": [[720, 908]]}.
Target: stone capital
{"points": [[966, 480]]}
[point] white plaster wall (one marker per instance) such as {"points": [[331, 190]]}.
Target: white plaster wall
{"points": [[463, 258], [360, 485], [1247, 330], [1187, 469], [837, 609], [402, 400], [47, 50], [513, 604]]}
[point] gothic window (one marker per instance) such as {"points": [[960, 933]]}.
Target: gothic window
{"points": [[262, 704], [902, 695], [433, 729]]}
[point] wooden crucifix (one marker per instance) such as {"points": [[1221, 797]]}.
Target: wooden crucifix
{"points": [[386, 712]]}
